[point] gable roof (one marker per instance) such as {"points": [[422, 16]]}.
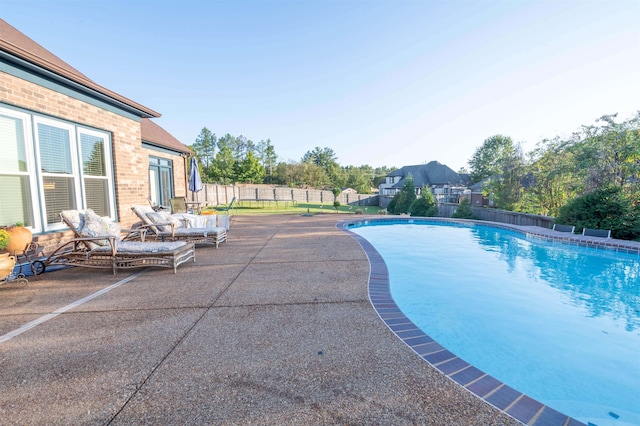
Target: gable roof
{"points": [[432, 173], [25, 51], [156, 135]]}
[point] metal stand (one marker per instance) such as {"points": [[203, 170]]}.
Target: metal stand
{"points": [[34, 255]]}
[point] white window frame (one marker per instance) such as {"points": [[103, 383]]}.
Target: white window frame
{"points": [[108, 164], [31, 166], [75, 173]]}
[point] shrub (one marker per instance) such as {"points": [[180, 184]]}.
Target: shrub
{"points": [[336, 205], [4, 239], [425, 205], [605, 208], [403, 199], [464, 210]]}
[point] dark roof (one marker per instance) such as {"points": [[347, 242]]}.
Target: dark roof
{"points": [[432, 173], [22, 47], [156, 135]]}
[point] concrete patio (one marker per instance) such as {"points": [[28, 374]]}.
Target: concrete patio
{"points": [[274, 327]]}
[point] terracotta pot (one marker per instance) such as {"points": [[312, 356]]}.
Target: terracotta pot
{"points": [[21, 237], [6, 265]]}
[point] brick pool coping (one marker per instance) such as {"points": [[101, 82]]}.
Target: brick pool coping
{"points": [[510, 401]]}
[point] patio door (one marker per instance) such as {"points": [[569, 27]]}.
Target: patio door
{"points": [[160, 181]]}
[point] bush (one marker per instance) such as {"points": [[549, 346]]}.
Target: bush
{"points": [[606, 208], [5, 238], [464, 210], [403, 199], [425, 205], [336, 205]]}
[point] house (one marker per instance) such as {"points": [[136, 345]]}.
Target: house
{"points": [[476, 193], [69, 143], [445, 184]]}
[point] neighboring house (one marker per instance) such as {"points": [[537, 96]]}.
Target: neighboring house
{"points": [[69, 143], [476, 193], [445, 184]]}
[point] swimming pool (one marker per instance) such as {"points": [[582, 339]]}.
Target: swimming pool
{"points": [[558, 323]]}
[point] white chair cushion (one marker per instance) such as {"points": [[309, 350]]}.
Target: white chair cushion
{"points": [[95, 226], [163, 221]]}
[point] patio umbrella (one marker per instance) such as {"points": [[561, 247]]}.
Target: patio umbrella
{"points": [[195, 182]]}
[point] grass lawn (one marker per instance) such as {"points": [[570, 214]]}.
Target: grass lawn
{"points": [[258, 207]]}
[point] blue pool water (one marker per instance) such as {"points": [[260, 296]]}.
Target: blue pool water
{"points": [[556, 322]]}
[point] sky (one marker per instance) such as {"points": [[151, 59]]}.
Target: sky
{"points": [[383, 83]]}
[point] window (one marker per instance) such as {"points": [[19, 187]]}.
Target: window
{"points": [[55, 143], [95, 170], [51, 165], [16, 165], [160, 181]]}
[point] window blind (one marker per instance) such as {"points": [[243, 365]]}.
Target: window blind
{"points": [[55, 149], [58, 195], [93, 155], [14, 157], [96, 195]]}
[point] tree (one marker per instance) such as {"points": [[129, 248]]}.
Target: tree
{"points": [[326, 159], [610, 154], [240, 147], [204, 148], [402, 200], [249, 170], [553, 178], [506, 188], [313, 175], [336, 193], [222, 169], [425, 205], [322, 157], [487, 160], [358, 178], [268, 157], [288, 174]]}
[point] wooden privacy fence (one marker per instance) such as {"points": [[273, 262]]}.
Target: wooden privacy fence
{"points": [[213, 195], [502, 216]]}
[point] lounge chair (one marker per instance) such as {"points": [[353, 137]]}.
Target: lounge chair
{"points": [[181, 205], [603, 233], [228, 207], [101, 244], [167, 227], [187, 220], [564, 228], [225, 220]]}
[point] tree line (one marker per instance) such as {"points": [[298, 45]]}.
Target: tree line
{"points": [[235, 159], [590, 179]]}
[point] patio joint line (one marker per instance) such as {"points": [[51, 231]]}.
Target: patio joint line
{"points": [[28, 326], [187, 332]]}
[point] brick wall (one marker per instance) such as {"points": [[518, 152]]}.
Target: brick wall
{"points": [[131, 164]]}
